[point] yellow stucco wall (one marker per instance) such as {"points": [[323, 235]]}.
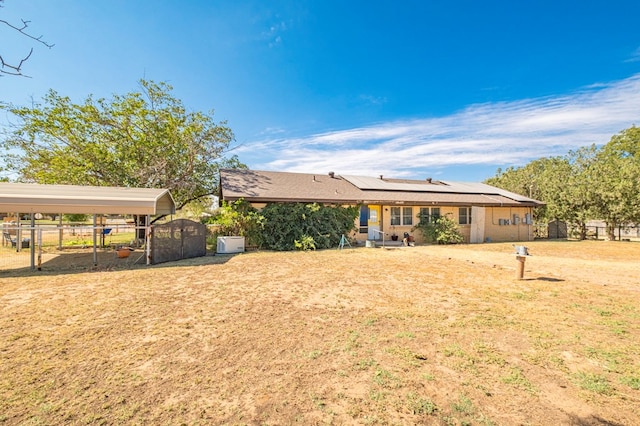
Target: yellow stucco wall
{"points": [[509, 232], [493, 230]]}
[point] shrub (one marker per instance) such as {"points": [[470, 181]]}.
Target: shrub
{"points": [[79, 218], [442, 230], [238, 218]]}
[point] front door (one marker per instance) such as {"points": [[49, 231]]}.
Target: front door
{"points": [[477, 225], [374, 223], [364, 220]]}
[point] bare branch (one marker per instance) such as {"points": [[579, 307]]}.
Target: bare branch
{"points": [[21, 30], [17, 70], [7, 68]]}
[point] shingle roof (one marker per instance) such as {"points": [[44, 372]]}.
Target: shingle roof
{"points": [[264, 186]]}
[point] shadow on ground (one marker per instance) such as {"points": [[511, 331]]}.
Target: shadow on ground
{"points": [[80, 262], [548, 279]]}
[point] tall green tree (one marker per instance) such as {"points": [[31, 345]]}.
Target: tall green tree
{"points": [[141, 139], [531, 180], [616, 187], [626, 143], [560, 182], [572, 199], [590, 183]]}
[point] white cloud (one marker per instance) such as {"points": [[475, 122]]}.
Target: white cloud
{"points": [[274, 34], [373, 100], [635, 56], [503, 133]]}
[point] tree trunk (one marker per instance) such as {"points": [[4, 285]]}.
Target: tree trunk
{"points": [[611, 231], [582, 229]]}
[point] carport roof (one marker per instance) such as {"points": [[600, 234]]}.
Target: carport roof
{"points": [[75, 199]]}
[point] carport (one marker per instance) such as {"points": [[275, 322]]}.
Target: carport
{"points": [[21, 198]]}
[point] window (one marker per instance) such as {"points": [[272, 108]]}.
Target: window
{"points": [[464, 215], [401, 216], [364, 219], [429, 214], [407, 215], [395, 216], [373, 215]]}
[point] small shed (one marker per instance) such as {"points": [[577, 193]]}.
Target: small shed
{"points": [[557, 230]]}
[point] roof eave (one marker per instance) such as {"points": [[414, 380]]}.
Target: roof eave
{"points": [[264, 200], [291, 200]]}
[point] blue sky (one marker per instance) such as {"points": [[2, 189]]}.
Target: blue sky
{"points": [[447, 89]]}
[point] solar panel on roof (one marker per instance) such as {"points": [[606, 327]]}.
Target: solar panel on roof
{"points": [[378, 184]]}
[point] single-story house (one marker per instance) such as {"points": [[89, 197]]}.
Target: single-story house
{"points": [[392, 206]]}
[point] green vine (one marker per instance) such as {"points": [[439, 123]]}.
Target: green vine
{"points": [[305, 244], [309, 225], [285, 226]]}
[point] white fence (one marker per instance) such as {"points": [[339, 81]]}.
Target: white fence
{"points": [[69, 245], [621, 233]]}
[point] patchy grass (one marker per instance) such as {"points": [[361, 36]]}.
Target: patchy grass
{"points": [[425, 335], [592, 382]]}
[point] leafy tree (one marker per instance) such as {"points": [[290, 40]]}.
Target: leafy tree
{"points": [[616, 183], [443, 230], [588, 183], [573, 201], [238, 218], [526, 180], [76, 217], [560, 182], [141, 139], [625, 144]]}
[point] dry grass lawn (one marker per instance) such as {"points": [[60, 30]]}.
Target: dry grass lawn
{"points": [[423, 335]]}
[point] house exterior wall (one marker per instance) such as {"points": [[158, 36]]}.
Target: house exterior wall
{"points": [[399, 230], [499, 223], [496, 228]]}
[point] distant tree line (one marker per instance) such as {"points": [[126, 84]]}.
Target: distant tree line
{"points": [[590, 183]]}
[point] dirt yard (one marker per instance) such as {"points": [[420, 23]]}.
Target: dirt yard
{"points": [[423, 335]]}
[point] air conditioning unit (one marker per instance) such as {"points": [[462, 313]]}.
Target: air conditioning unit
{"points": [[227, 245]]}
